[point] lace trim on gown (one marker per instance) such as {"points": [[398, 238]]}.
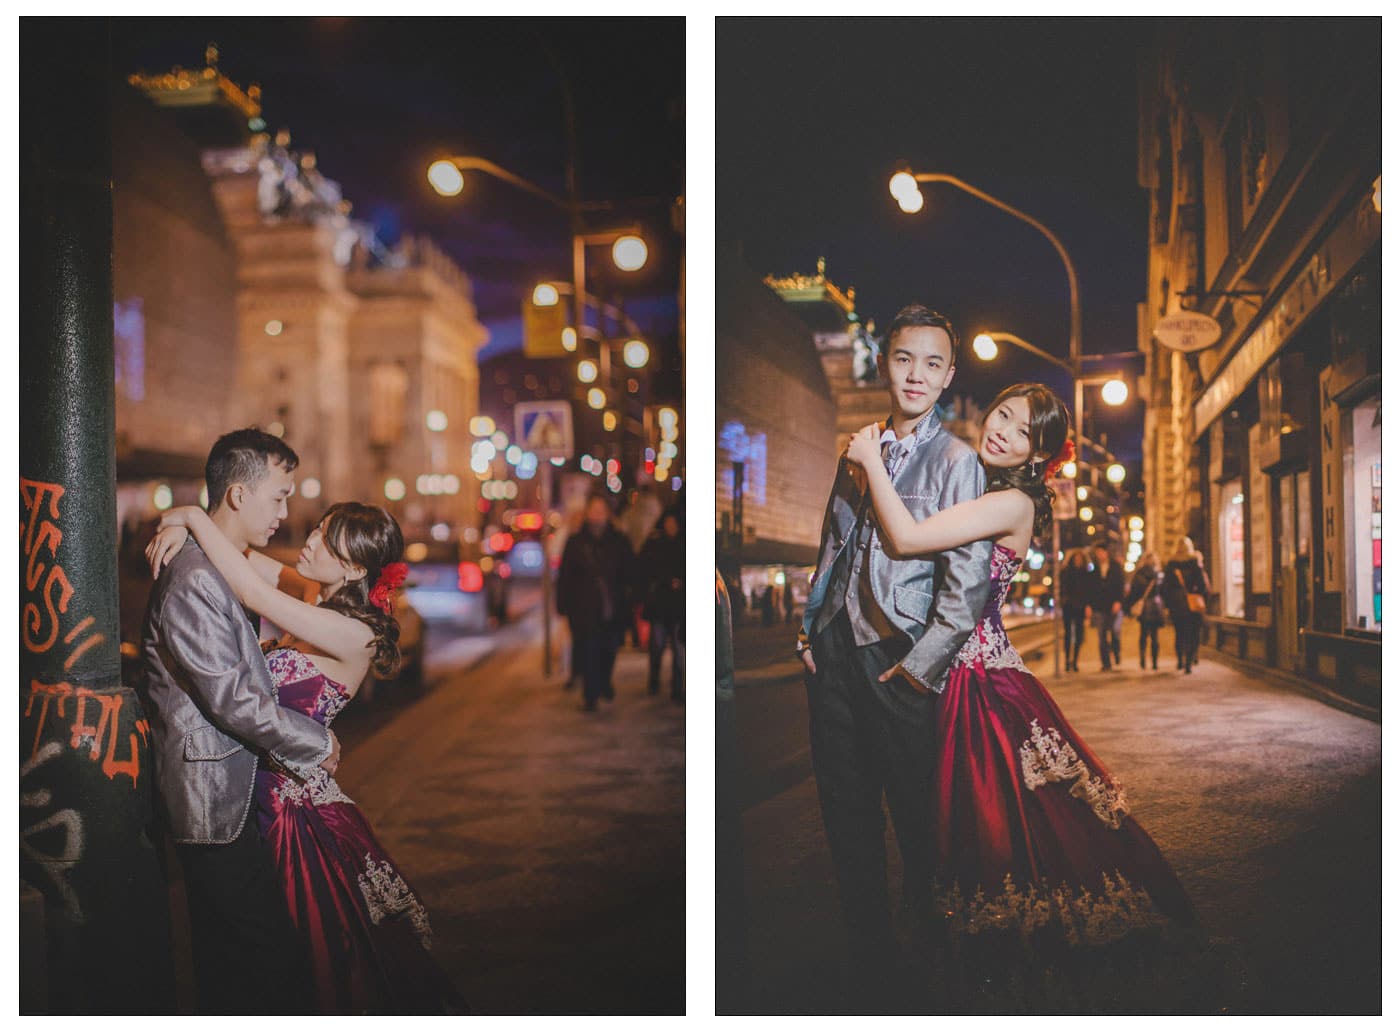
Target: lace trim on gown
{"points": [[1046, 757], [319, 788], [1084, 919], [388, 895]]}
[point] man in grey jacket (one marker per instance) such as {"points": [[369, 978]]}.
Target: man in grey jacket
{"points": [[213, 711], [870, 612]]}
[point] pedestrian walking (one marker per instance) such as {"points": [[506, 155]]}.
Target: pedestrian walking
{"points": [[1107, 586], [1147, 591], [594, 577], [663, 602], [1186, 586], [1074, 604]]}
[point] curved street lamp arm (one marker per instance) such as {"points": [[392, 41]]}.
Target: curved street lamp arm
{"points": [[1015, 340], [495, 170], [1074, 340]]}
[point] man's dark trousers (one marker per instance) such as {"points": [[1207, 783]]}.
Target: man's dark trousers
{"points": [[868, 738], [248, 957]]}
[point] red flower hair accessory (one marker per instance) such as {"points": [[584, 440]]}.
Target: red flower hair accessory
{"points": [[1062, 458], [382, 595]]}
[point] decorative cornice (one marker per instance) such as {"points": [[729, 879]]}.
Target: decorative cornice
{"points": [[183, 87]]}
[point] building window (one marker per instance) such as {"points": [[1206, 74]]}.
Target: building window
{"points": [[388, 389], [1232, 532], [1364, 499]]}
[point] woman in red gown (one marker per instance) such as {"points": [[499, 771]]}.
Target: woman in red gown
{"points": [[366, 931], [1037, 846]]}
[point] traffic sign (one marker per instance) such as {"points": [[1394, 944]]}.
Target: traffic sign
{"points": [[544, 329], [545, 428]]}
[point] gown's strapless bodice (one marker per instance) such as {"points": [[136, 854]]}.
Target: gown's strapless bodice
{"points": [[988, 645], [303, 687]]}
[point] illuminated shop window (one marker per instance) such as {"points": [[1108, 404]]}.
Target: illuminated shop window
{"points": [[1232, 531], [1365, 520], [736, 444]]}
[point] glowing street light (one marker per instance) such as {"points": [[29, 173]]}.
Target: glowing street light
{"points": [[1082, 492], [903, 184], [569, 339], [629, 252], [1086, 514], [1115, 473], [446, 178], [1115, 392], [481, 425], [436, 421], [1135, 523], [984, 346], [635, 353], [597, 399], [1070, 470], [545, 295], [587, 372]]}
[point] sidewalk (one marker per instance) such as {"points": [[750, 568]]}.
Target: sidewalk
{"points": [[1265, 801], [548, 844]]}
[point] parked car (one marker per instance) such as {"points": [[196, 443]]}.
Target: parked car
{"points": [[446, 587]]}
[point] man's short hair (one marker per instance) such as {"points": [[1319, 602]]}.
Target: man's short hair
{"points": [[243, 457], [916, 315]]}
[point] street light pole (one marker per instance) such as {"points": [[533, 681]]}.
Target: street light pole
{"points": [[1075, 339]]}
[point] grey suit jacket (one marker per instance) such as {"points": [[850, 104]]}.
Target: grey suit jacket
{"points": [[211, 703], [934, 599]]}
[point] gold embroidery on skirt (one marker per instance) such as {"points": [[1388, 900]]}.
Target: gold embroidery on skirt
{"points": [[1046, 757], [1084, 919]]}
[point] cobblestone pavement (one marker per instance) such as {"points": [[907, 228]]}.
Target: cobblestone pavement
{"points": [[1266, 802], [548, 844]]}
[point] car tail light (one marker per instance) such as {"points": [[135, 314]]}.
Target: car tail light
{"points": [[501, 542], [469, 577]]}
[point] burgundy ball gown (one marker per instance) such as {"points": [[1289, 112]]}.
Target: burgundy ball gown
{"points": [[1034, 836], [366, 930]]}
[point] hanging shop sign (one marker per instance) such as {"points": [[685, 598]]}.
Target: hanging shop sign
{"points": [[1187, 331]]}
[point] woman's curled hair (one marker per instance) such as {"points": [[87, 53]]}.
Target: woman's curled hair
{"points": [[368, 536], [1049, 427]]}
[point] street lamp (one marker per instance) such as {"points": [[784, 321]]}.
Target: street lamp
{"points": [[545, 295], [1115, 473], [629, 252], [904, 187], [1115, 392], [635, 353], [984, 346], [446, 178]]}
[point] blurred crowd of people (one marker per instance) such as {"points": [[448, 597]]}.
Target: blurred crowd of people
{"points": [[608, 590], [1095, 591]]}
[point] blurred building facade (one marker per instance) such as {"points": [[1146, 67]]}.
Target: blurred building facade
{"points": [[246, 294], [775, 418], [1260, 149]]}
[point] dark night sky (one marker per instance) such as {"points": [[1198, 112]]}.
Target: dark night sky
{"points": [[813, 116], [378, 99]]}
